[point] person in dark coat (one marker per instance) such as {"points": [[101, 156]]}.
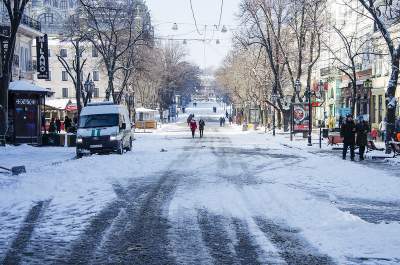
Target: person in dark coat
{"points": [[52, 126], [58, 125], [340, 121], [201, 127], [362, 130], [67, 123], [221, 120], [348, 132]]}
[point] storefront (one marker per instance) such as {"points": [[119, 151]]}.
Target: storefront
{"points": [[25, 101]]}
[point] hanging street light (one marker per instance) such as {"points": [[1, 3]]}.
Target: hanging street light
{"points": [[224, 29], [175, 26]]}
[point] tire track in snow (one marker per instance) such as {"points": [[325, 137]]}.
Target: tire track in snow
{"points": [[18, 246], [294, 249]]}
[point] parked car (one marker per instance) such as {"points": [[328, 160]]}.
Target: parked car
{"points": [[103, 128]]}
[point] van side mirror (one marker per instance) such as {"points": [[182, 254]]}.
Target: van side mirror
{"points": [[123, 126]]}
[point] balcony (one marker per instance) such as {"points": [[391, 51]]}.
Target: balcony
{"points": [[30, 22]]}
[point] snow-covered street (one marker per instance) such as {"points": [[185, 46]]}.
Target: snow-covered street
{"points": [[232, 197]]}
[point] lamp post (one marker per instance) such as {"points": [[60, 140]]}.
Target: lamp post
{"points": [[297, 89], [308, 94]]}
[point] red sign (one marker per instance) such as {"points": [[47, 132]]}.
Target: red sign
{"points": [[71, 108], [301, 118]]}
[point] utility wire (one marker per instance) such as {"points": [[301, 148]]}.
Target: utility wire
{"points": [[194, 18], [220, 13]]}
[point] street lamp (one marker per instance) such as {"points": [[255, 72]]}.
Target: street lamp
{"points": [[297, 86], [318, 95]]}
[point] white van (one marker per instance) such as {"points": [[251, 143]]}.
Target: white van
{"points": [[104, 127]]}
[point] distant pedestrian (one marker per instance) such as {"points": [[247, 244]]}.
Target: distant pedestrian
{"points": [[374, 134], [340, 121], [58, 125], [193, 127], [202, 124], [230, 120], [362, 129], [382, 129], [221, 121], [227, 114], [43, 122], [348, 132], [52, 126], [67, 124]]}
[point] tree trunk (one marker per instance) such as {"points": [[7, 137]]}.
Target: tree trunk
{"points": [[391, 103], [4, 82]]}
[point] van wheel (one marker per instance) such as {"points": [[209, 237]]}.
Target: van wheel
{"points": [[120, 148], [129, 148]]}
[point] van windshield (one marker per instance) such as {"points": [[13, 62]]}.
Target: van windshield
{"points": [[98, 120]]}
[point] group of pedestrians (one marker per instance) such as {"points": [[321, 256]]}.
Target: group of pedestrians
{"points": [[354, 134], [55, 125], [193, 125]]}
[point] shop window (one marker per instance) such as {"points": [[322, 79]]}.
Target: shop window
{"points": [[65, 92]]}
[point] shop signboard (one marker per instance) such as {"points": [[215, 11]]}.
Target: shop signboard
{"points": [[42, 53], [301, 118]]}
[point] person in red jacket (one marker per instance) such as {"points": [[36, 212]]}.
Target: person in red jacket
{"points": [[193, 127]]}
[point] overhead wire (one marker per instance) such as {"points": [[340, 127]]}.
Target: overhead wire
{"points": [[194, 18]]}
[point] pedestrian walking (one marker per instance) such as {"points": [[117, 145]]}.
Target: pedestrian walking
{"points": [[382, 129], [193, 127], [226, 114], [362, 130], [202, 124], [58, 125], [230, 120], [348, 132], [220, 121], [223, 121], [374, 134]]}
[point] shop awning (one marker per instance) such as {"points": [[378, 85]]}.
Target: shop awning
{"points": [[22, 86]]}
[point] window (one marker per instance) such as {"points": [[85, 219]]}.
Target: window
{"points": [[64, 53], [380, 108], [96, 92], [49, 76], [65, 92], [63, 4], [95, 53], [373, 109], [46, 18], [64, 76], [96, 76]]}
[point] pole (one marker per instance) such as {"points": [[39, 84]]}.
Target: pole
{"points": [[291, 121], [309, 116], [320, 137], [273, 123], [78, 79]]}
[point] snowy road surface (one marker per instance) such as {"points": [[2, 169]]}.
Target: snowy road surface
{"points": [[232, 197]]}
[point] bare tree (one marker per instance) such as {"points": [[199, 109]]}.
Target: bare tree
{"points": [[15, 11], [113, 28], [385, 13]]}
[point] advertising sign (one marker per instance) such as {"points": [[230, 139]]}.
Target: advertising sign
{"points": [[42, 53], [301, 117]]}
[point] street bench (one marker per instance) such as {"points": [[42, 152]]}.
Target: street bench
{"points": [[395, 148], [372, 147], [335, 139]]}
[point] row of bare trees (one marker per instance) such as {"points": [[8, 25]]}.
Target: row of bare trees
{"points": [[281, 41]]}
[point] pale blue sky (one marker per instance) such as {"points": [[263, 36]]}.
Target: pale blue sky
{"points": [[166, 12]]}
